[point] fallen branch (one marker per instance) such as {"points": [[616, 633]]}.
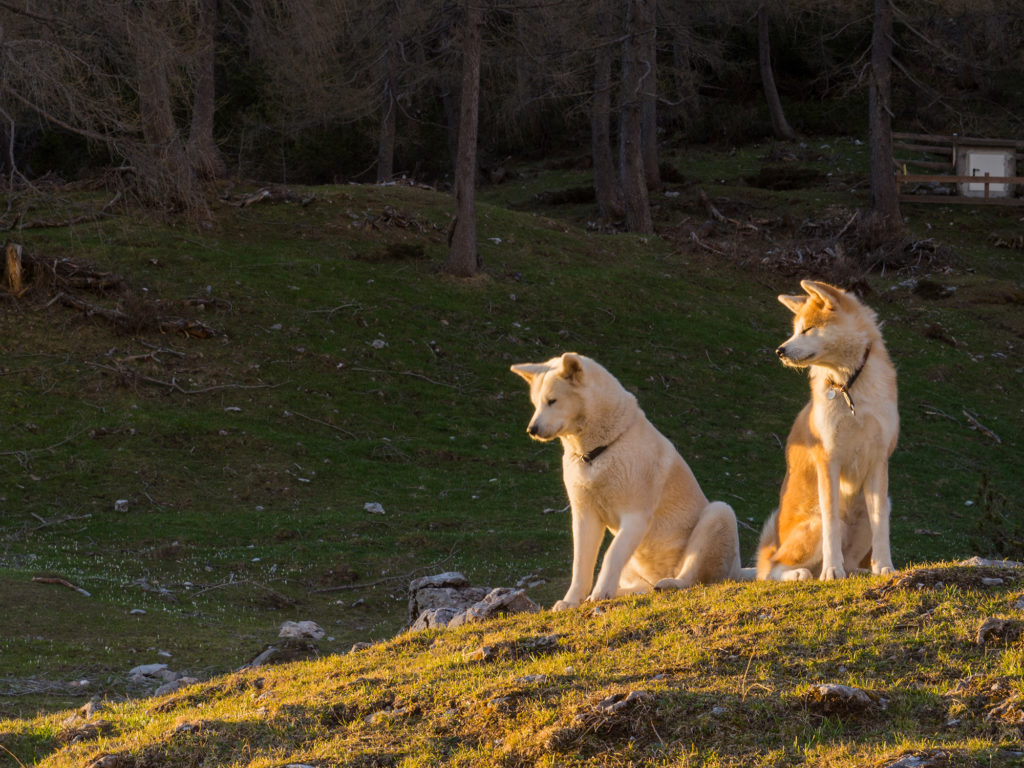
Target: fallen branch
{"points": [[718, 216], [280, 597], [931, 410], [173, 385], [276, 195], [846, 226], [62, 582], [700, 243], [405, 373], [25, 454], [981, 427], [44, 523], [83, 219], [290, 412], [133, 324]]}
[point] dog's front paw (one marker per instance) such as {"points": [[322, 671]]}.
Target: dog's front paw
{"points": [[797, 574], [563, 605], [833, 572], [883, 570], [667, 584]]}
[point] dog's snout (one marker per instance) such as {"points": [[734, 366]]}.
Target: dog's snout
{"points": [[780, 351], [532, 429]]}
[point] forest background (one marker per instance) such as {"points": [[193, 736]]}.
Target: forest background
{"points": [[153, 99]]}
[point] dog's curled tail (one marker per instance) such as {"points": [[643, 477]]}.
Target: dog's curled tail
{"points": [[768, 545]]}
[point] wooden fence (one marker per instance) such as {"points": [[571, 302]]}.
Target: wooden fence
{"points": [[930, 162]]}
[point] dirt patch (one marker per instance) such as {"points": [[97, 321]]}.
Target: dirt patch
{"points": [[620, 715], [837, 246], [965, 577]]}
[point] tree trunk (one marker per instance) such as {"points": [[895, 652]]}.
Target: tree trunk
{"points": [[204, 155], [649, 116], [158, 127], [164, 172], [463, 259], [780, 126], [389, 102], [631, 153], [606, 184], [884, 208]]}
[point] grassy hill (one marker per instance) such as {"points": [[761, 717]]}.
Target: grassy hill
{"points": [[220, 483]]}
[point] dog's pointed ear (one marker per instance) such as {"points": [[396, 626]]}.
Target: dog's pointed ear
{"points": [[793, 303], [529, 371], [827, 294], [572, 368]]}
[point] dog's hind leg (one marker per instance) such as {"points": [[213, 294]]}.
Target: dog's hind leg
{"points": [[712, 552], [632, 582], [857, 539]]}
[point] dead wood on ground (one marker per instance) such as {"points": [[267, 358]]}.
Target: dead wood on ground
{"points": [[62, 281]]}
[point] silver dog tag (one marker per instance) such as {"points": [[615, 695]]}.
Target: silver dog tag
{"points": [[831, 394]]}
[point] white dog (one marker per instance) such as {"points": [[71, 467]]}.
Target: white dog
{"points": [[623, 475]]}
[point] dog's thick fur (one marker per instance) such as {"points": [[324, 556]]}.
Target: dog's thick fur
{"points": [[623, 475], [834, 505]]}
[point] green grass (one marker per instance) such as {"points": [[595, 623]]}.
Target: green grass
{"points": [[723, 675], [343, 375]]}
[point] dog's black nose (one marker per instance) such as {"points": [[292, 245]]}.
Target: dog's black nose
{"points": [[780, 351], [532, 429]]}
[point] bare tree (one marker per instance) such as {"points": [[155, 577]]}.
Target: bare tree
{"points": [[204, 155], [389, 97], [780, 126], [631, 153], [463, 259], [649, 113], [884, 208], [606, 183]]}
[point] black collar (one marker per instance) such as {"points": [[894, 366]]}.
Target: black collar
{"points": [[844, 389], [589, 456]]}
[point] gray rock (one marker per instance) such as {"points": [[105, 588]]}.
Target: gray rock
{"points": [[447, 600], [434, 618], [448, 579], [499, 602], [307, 630], [148, 670]]}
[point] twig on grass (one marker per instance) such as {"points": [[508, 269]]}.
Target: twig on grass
{"points": [[705, 246], [173, 385], [406, 373], [981, 427], [931, 410], [25, 454], [290, 412], [332, 310], [44, 523], [243, 582], [62, 582]]}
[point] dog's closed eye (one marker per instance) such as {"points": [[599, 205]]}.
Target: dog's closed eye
{"points": [[552, 401]]}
